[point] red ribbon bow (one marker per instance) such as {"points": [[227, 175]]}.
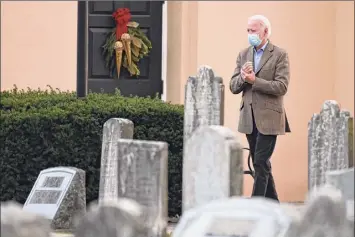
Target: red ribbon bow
{"points": [[122, 16]]}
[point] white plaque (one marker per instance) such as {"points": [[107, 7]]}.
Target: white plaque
{"points": [[48, 191]]}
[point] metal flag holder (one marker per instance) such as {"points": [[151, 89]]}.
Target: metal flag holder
{"points": [[250, 171]]}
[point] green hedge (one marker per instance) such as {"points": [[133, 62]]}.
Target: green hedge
{"points": [[42, 129]]}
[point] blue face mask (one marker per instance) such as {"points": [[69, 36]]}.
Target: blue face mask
{"points": [[254, 40]]}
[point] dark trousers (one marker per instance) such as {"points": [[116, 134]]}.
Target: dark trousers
{"points": [[261, 148]]}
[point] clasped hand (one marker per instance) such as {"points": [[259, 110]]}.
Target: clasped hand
{"points": [[247, 72]]}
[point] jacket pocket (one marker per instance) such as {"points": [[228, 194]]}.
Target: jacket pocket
{"points": [[274, 107]]}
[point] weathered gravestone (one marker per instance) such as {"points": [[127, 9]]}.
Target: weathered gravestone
{"points": [[330, 144], [212, 166], [114, 129], [59, 195], [235, 216], [204, 101], [113, 218], [15, 222], [343, 180], [325, 215], [143, 177]]}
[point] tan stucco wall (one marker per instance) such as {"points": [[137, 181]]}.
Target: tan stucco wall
{"points": [[319, 37], [182, 47], [38, 44], [344, 55]]}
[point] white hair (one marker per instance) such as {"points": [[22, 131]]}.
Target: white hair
{"points": [[264, 22]]}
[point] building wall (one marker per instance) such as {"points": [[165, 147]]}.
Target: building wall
{"points": [[344, 55], [38, 44], [319, 37]]}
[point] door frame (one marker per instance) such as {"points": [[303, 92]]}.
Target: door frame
{"points": [[82, 50], [164, 52], [83, 44]]}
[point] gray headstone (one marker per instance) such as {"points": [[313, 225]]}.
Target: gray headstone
{"points": [[212, 166], [292, 210], [351, 142], [328, 143], [343, 180], [114, 129], [113, 218], [325, 215], [16, 222], [59, 195], [143, 177], [350, 209], [204, 101], [235, 216]]}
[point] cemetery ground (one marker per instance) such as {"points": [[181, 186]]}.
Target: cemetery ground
{"points": [[114, 166]]}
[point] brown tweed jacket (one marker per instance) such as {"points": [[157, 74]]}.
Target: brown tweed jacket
{"points": [[266, 95]]}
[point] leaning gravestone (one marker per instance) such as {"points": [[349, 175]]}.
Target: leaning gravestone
{"points": [[143, 177], [114, 129], [330, 144], [204, 101], [325, 215], [235, 216], [59, 195], [15, 222], [212, 166], [113, 218]]}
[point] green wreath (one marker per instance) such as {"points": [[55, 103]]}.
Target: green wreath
{"points": [[134, 41]]}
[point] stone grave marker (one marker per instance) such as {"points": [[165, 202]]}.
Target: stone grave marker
{"points": [[113, 130], [204, 101], [235, 216], [15, 222], [325, 215], [212, 166], [113, 218], [59, 195], [343, 180], [143, 177], [329, 142]]}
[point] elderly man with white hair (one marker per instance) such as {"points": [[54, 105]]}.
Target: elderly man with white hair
{"points": [[262, 76]]}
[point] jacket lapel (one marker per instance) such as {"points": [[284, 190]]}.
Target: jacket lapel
{"points": [[266, 55]]}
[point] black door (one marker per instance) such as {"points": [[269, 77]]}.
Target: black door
{"points": [[149, 16]]}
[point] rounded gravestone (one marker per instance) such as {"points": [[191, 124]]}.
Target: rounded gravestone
{"points": [[235, 216]]}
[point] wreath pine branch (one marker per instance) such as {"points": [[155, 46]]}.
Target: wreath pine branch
{"points": [[140, 48]]}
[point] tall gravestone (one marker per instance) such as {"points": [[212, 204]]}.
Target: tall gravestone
{"points": [[114, 129], [143, 176], [15, 222], [330, 144], [212, 166], [59, 195], [204, 101]]}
